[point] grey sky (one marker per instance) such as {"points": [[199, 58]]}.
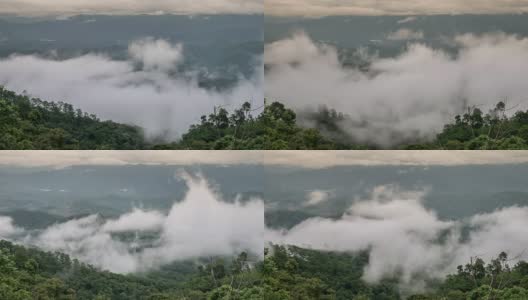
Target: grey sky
{"points": [[73, 7], [308, 159], [316, 8]]}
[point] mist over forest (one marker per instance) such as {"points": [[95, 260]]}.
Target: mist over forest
{"points": [[397, 79], [397, 231], [134, 224], [136, 69]]}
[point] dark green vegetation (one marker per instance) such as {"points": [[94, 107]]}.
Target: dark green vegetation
{"points": [[475, 130], [274, 129], [301, 274], [27, 273], [277, 128], [476, 280], [296, 273], [31, 123]]}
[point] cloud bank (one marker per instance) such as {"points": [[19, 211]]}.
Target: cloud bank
{"points": [[7, 228], [145, 90], [318, 8], [407, 239], [66, 7], [298, 158], [407, 97], [202, 224]]}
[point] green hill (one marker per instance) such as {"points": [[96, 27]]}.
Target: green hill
{"points": [[29, 273], [297, 273], [31, 123]]}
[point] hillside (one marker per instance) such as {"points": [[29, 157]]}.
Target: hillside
{"points": [[28, 273], [31, 123], [297, 273], [279, 127]]}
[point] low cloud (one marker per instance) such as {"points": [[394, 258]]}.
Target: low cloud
{"points": [[118, 7], [145, 90], [318, 8], [136, 220], [406, 239], [317, 197], [156, 55], [202, 224], [403, 98], [7, 228]]}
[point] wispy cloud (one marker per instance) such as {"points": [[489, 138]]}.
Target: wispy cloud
{"points": [[317, 8], [65, 7]]}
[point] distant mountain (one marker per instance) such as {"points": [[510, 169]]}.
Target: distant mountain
{"points": [[348, 32], [220, 43], [110, 190], [448, 196]]}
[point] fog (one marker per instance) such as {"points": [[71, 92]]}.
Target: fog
{"points": [[403, 98], [405, 238], [317, 8], [7, 228], [67, 7], [202, 224], [148, 89]]}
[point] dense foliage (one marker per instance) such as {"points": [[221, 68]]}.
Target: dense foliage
{"points": [[278, 127], [301, 274], [476, 280], [28, 273], [475, 130], [273, 129], [296, 273], [31, 123]]}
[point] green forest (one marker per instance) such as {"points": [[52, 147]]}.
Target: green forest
{"points": [[297, 273], [31, 123], [287, 273], [31, 274]]}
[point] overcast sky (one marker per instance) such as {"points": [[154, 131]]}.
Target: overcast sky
{"points": [[308, 159], [316, 8], [73, 7]]}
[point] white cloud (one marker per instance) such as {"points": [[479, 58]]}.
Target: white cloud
{"points": [[152, 96], [305, 159], [404, 236], [66, 7], [156, 54], [202, 224], [136, 220], [317, 197], [7, 228], [317, 8], [410, 96]]}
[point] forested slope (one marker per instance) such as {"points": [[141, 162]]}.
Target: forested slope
{"points": [[296, 273], [29, 273], [31, 123]]}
